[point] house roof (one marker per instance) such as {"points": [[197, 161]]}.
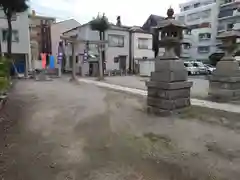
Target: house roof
{"points": [[152, 20], [113, 26]]}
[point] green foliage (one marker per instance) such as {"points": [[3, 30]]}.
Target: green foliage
{"points": [[11, 7], [4, 74], [100, 23]]}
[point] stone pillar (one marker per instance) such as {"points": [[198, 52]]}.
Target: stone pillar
{"points": [[224, 83], [168, 88]]}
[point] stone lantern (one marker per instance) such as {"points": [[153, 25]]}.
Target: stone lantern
{"points": [[168, 88], [225, 80]]}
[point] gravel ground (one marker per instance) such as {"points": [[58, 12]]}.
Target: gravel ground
{"points": [[60, 131]]}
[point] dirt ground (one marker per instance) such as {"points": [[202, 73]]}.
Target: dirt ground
{"points": [[63, 131]]}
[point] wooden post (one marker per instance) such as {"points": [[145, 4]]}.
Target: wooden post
{"points": [[74, 62], [100, 62]]}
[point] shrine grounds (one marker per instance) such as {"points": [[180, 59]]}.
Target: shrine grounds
{"points": [[60, 130]]}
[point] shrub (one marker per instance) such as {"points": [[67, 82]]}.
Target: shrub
{"points": [[4, 74]]}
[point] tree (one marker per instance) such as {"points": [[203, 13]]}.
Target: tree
{"points": [[10, 8], [100, 24]]}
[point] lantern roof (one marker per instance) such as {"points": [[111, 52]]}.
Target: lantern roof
{"points": [[229, 34], [170, 21]]}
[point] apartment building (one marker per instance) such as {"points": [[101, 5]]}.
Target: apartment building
{"points": [[229, 14], [20, 38], [40, 34], [201, 17]]}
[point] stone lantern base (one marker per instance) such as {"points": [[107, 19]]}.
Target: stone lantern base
{"points": [[168, 88], [224, 83]]}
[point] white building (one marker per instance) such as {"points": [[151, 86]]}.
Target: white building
{"points": [[201, 16], [116, 51], [141, 51], [20, 36]]}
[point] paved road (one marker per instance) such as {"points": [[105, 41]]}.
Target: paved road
{"points": [[58, 130], [199, 88]]}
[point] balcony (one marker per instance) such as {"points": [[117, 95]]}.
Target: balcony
{"points": [[227, 14], [229, 2]]}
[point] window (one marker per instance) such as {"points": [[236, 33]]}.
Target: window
{"points": [[196, 5], [116, 40], [204, 36], [15, 35], [186, 8], [186, 46], [143, 43], [203, 49], [230, 26], [225, 13]]}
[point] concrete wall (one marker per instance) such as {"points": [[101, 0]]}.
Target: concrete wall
{"points": [[22, 26]]}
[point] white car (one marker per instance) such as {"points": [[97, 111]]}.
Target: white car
{"points": [[191, 69], [210, 68], [200, 66]]}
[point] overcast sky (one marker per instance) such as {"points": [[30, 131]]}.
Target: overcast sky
{"points": [[132, 12]]}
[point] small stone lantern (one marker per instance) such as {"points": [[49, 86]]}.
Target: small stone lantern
{"points": [[168, 88], [225, 81]]}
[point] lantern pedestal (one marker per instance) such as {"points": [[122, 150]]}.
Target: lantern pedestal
{"points": [[168, 88], [224, 84], [225, 81]]}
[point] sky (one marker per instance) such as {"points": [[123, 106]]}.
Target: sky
{"points": [[132, 12]]}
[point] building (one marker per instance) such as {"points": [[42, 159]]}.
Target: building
{"points": [[229, 14], [56, 31], [20, 38], [40, 34], [201, 17], [141, 53], [116, 52]]}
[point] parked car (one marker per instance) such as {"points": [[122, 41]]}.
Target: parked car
{"points": [[200, 66], [209, 68], [190, 68]]}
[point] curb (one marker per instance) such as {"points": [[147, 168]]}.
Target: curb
{"points": [[196, 102]]}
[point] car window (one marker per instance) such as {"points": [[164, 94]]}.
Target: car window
{"points": [[185, 64], [195, 65]]}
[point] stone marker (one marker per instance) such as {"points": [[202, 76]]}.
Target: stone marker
{"points": [[224, 82], [168, 88]]}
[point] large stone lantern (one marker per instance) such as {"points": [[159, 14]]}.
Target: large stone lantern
{"points": [[225, 81], [168, 88]]}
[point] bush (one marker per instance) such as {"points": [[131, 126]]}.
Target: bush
{"points": [[4, 75]]}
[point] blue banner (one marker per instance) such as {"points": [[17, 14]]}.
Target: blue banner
{"points": [[52, 62]]}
